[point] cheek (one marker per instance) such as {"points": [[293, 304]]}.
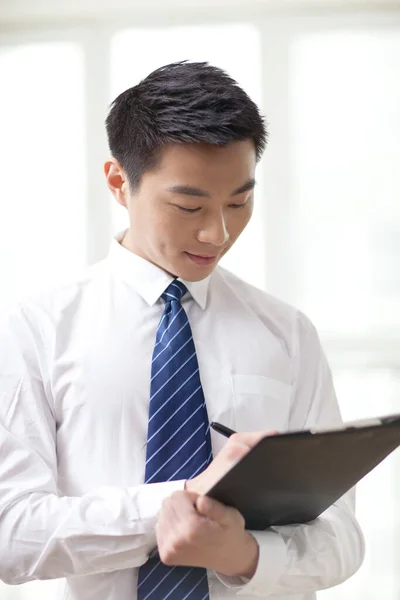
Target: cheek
{"points": [[237, 222], [172, 231]]}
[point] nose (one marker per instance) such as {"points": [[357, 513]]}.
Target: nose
{"points": [[214, 231]]}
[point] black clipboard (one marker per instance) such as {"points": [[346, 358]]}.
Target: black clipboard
{"points": [[293, 477]]}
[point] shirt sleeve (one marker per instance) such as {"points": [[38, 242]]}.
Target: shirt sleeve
{"points": [[42, 535], [299, 559]]}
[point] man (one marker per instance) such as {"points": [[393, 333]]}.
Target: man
{"points": [[108, 384]]}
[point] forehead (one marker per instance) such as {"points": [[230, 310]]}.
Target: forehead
{"points": [[202, 163]]}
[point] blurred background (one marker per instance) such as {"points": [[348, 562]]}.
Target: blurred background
{"points": [[326, 231]]}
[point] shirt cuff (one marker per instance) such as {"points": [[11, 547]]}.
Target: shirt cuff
{"points": [[271, 564], [148, 501]]}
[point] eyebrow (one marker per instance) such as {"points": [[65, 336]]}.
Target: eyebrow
{"points": [[188, 190]]}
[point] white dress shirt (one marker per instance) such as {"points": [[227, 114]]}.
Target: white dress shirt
{"points": [[74, 393]]}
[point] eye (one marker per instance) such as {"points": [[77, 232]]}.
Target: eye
{"points": [[238, 205], [188, 210], [242, 204]]}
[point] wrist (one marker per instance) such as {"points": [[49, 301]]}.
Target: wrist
{"points": [[240, 560], [250, 553]]}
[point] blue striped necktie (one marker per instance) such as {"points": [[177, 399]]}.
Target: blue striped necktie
{"points": [[178, 437]]}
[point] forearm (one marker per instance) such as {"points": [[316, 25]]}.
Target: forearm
{"points": [[310, 557], [43, 536], [325, 552]]}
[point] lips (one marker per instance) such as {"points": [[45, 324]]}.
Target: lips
{"points": [[201, 259]]}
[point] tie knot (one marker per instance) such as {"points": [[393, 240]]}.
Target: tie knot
{"points": [[175, 291]]}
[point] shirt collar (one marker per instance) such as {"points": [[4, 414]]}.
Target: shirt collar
{"points": [[147, 279]]}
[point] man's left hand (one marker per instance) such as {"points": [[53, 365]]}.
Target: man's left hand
{"points": [[198, 531]]}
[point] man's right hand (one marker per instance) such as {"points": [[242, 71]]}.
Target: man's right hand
{"points": [[236, 447]]}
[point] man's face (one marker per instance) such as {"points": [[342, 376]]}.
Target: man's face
{"points": [[191, 208]]}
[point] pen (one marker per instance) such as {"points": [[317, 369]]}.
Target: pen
{"points": [[222, 429]]}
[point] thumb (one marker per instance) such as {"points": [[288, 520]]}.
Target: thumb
{"points": [[212, 509], [251, 438], [192, 496]]}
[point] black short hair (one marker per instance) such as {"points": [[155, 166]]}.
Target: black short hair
{"points": [[180, 102]]}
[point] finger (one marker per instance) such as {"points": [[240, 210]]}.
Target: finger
{"points": [[166, 517], [208, 507], [183, 503], [251, 438], [218, 512], [192, 496], [234, 451]]}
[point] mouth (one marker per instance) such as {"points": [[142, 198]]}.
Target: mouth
{"points": [[202, 259]]}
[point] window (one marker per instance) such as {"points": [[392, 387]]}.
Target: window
{"points": [[346, 128], [42, 200], [325, 235]]}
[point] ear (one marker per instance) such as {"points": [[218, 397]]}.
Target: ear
{"points": [[117, 181]]}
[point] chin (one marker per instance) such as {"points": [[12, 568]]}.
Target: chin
{"points": [[192, 277], [195, 273]]}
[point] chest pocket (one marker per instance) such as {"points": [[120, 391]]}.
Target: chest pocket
{"points": [[260, 403]]}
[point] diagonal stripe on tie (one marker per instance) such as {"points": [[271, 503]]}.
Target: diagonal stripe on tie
{"points": [[185, 445], [153, 394], [176, 432], [171, 338], [171, 358], [172, 395], [178, 437], [173, 414], [171, 423]]}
